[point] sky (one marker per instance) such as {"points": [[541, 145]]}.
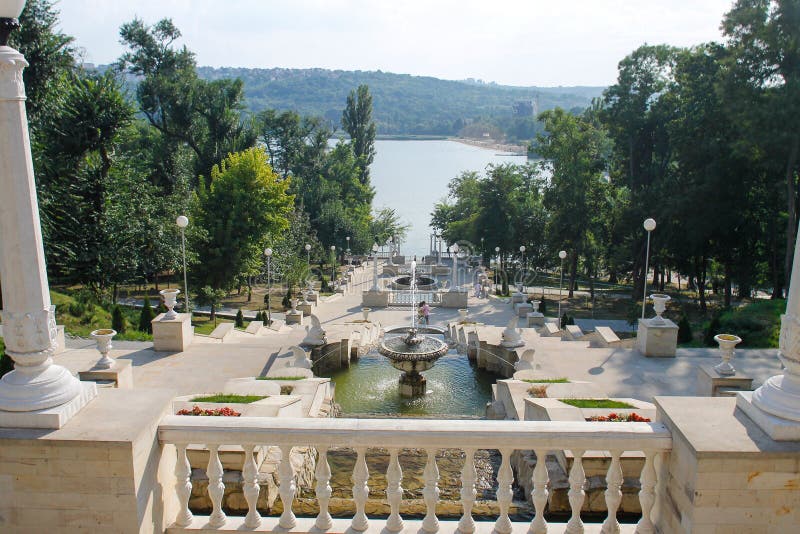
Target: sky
{"points": [[511, 42]]}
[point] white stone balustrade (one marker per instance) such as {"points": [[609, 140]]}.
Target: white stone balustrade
{"points": [[543, 437]]}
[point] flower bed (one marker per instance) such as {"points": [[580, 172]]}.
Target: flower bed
{"points": [[215, 412], [632, 417]]}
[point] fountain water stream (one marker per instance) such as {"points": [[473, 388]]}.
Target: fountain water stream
{"points": [[413, 353]]}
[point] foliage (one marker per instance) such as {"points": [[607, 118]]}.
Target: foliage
{"points": [[216, 412], [224, 398], [685, 334], [6, 363], [280, 378], [118, 321], [208, 296], [546, 380], [239, 322], [757, 323], [712, 329], [632, 417], [146, 316], [244, 204], [566, 320], [357, 122]]}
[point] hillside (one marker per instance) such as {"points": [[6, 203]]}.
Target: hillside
{"points": [[403, 104]]}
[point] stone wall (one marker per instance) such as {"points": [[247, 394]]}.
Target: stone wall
{"points": [[102, 472]]}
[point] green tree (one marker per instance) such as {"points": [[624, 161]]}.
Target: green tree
{"points": [[118, 321], [146, 316], [208, 296], [357, 122], [244, 204]]}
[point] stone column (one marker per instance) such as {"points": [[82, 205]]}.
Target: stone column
{"points": [[28, 318], [775, 406]]}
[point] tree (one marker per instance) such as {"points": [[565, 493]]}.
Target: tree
{"points": [[208, 296], [244, 204], [118, 321], [146, 316], [357, 122]]}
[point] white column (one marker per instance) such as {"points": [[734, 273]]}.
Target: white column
{"points": [[28, 319], [780, 394]]}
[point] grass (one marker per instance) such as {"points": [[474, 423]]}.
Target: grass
{"points": [[596, 403], [757, 323], [204, 325], [93, 317], [280, 377], [229, 398], [547, 381]]}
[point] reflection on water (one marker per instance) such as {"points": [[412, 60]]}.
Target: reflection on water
{"points": [[455, 387]]}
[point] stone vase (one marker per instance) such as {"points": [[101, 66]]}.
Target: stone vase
{"points": [[462, 312], [293, 303], [727, 345], [103, 339], [659, 305], [365, 313], [170, 297], [535, 304]]}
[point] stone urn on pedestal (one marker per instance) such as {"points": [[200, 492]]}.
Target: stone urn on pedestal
{"points": [[103, 339], [727, 346], [365, 314], [659, 305], [293, 304], [170, 297]]}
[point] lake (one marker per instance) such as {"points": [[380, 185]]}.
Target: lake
{"points": [[412, 176]]}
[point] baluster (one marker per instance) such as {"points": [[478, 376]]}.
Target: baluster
{"points": [[183, 486], [505, 477], [287, 488], [431, 493], [647, 495], [360, 490], [469, 476], [394, 492], [540, 493], [216, 489], [251, 489], [661, 489], [576, 494], [323, 490], [613, 494]]}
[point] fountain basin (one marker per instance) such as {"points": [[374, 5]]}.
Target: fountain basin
{"points": [[412, 354], [423, 283]]}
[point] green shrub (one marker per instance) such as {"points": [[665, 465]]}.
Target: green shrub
{"points": [[6, 363], [77, 309], [684, 330], [286, 298], [118, 321], [757, 323], [566, 320], [712, 330], [543, 306], [146, 317], [239, 319]]}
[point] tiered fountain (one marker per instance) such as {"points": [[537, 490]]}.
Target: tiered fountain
{"points": [[412, 353]]}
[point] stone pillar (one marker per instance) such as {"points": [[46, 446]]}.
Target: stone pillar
{"points": [[775, 406], [28, 317]]}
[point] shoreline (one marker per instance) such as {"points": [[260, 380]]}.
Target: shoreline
{"points": [[516, 150]]}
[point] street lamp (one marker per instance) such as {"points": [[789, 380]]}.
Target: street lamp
{"points": [[347, 253], [649, 226], [498, 266], [481, 251], [375, 248], [454, 250], [522, 251], [333, 264], [308, 256], [182, 221], [562, 255], [268, 254]]}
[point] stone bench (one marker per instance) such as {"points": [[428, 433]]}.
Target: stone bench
{"points": [[222, 331], [254, 327], [551, 330], [607, 337], [573, 332]]}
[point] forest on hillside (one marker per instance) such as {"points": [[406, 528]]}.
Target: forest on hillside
{"points": [[403, 104]]}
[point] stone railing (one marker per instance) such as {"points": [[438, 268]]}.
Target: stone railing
{"points": [[395, 434]]}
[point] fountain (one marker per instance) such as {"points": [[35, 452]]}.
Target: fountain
{"points": [[413, 353]]}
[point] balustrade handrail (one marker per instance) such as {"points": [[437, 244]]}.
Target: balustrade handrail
{"points": [[341, 432]]}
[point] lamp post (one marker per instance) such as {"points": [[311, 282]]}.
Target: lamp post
{"points": [[182, 221], [522, 251], [562, 254], [454, 250], [308, 256], [375, 248], [333, 264], [498, 267], [347, 252], [649, 226], [268, 254], [481, 251], [36, 382]]}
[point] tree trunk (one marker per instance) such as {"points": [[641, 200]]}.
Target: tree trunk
{"points": [[155, 278], [791, 205], [573, 271], [728, 287]]}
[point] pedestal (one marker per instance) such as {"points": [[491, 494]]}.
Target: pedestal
{"points": [[535, 319], [455, 299], [121, 373], [305, 308], [776, 428], [412, 385], [50, 418], [173, 335], [657, 339], [518, 297], [710, 383], [294, 317], [313, 296], [375, 299]]}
